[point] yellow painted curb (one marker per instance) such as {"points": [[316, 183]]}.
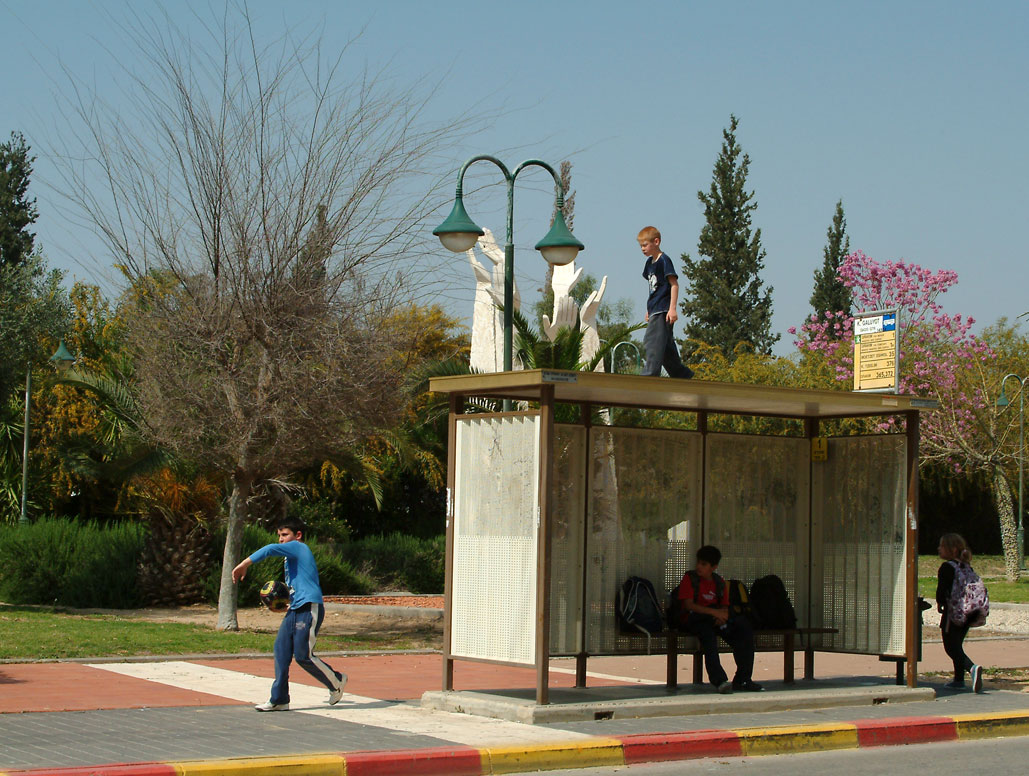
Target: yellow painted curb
{"points": [[591, 753], [298, 765], [797, 738], [992, 724]]}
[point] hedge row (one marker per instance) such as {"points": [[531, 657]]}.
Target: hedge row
{"points": [[85, 565]]}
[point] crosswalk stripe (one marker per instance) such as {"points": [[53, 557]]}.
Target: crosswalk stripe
{"points": [[247, 688]]}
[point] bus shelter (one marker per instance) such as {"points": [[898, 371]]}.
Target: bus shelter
{"points": [[545, 520]]}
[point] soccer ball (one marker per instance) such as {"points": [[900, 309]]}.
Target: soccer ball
{"points": [[275, 595]]}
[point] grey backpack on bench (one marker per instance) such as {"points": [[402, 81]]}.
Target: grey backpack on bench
{"points": [[638, 607]]}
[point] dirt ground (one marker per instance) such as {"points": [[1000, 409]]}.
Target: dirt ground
{"points": [[417, 632]]}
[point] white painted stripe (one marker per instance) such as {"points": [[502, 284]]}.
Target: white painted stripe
{"points": [[444, 725], [612, 677]]}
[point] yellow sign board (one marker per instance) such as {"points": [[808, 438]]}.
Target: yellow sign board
{"points": [[875, 351]]}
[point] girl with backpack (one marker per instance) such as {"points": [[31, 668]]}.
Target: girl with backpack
{"points": [[956, 555]]}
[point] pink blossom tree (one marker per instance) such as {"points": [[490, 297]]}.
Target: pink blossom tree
{"points": [[939, 358]]}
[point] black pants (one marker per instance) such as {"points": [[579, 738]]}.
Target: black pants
{"points": [[738, 634], [660, 349], [953, 645]]}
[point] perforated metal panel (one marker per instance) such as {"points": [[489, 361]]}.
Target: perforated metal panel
{"points": [[860, 540], [756, 510], [568, 514], [493, 606], [644, 505]]}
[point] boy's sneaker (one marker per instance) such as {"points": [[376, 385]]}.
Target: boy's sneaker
{"points": [[335, 695], [977, 678], [269, 706], [955, 685], [748, 686], [725, 687]]}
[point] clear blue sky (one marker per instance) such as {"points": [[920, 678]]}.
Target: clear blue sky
{"points": [[916, 114]]}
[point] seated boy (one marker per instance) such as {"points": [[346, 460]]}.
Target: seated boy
{"points": [[705, 600]]}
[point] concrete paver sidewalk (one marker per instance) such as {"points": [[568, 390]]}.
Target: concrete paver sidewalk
{"points": [[197, 714]]}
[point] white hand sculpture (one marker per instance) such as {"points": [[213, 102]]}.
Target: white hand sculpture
{"points": [[563, 279], [487, 325], [488, 245], [592, 305], [566, 311], [590, 336]]}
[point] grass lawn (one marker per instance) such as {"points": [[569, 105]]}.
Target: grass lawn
{"points": [[989, 567], [1000, 590], [31, 634]]}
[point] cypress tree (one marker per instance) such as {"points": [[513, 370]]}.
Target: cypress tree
{"points": [[17, 209], [723, 301], [830, 295]]}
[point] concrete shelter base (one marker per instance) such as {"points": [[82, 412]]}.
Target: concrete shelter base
{"points": [[635, 701]]}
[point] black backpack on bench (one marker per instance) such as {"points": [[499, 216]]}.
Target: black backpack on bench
{"points": [[771, 605]]}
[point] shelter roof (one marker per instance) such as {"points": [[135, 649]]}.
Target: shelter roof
{"points": [[618, 390]]}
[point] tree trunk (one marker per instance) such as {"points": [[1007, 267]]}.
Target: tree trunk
{"points": [[227, 598], [1006, 514]]}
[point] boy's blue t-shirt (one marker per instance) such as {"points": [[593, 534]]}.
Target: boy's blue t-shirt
{"points": [[301, 571], [656, 272]]}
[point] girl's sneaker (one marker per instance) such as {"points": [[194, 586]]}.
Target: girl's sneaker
{"points": [[977, 678]]}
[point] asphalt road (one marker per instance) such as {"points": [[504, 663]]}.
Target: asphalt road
{"points": [[996, 756]]}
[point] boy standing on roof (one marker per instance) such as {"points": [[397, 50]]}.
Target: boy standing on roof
{"points": [[662, 303]]}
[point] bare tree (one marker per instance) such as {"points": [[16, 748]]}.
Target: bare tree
{"points": [[259, 199]]}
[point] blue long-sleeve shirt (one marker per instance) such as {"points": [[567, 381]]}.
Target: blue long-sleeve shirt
{"points": [[301, 571]]}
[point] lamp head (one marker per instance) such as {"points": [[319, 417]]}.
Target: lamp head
{"points": [[1002, 400], [62, 358], [459, 232], [560, 246]]}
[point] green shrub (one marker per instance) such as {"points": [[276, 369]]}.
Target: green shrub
{"points": [[400, 562], [425, 572], [254, 538], [68, 563], [337, 576], [325, 520]]}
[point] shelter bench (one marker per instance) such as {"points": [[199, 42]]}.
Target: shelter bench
{"points": [[679, 643]]}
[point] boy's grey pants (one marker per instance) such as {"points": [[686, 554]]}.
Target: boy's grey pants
{"points": [[660, 349]]}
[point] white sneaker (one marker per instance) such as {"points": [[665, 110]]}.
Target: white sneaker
{"points": [[977, 678], [269, 706], [335, 695]]}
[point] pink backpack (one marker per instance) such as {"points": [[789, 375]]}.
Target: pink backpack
{"points": [[969, 604]]}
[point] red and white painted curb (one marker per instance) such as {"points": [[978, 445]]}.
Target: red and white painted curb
{"points": [[584, 753]]}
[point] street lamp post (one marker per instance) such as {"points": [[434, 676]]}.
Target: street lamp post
{"points": [[1003, 402], [63, 359], [459, 233], [614, 354]]}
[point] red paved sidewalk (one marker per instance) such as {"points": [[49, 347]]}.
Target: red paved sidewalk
{"points": [[74, 687], [45, 686], [78, 687]]}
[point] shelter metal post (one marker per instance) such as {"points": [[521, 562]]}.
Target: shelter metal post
{"points": [[580, 658], [812, 427], [456, 403], [911, 593], [543, 545], [543, 529]]}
